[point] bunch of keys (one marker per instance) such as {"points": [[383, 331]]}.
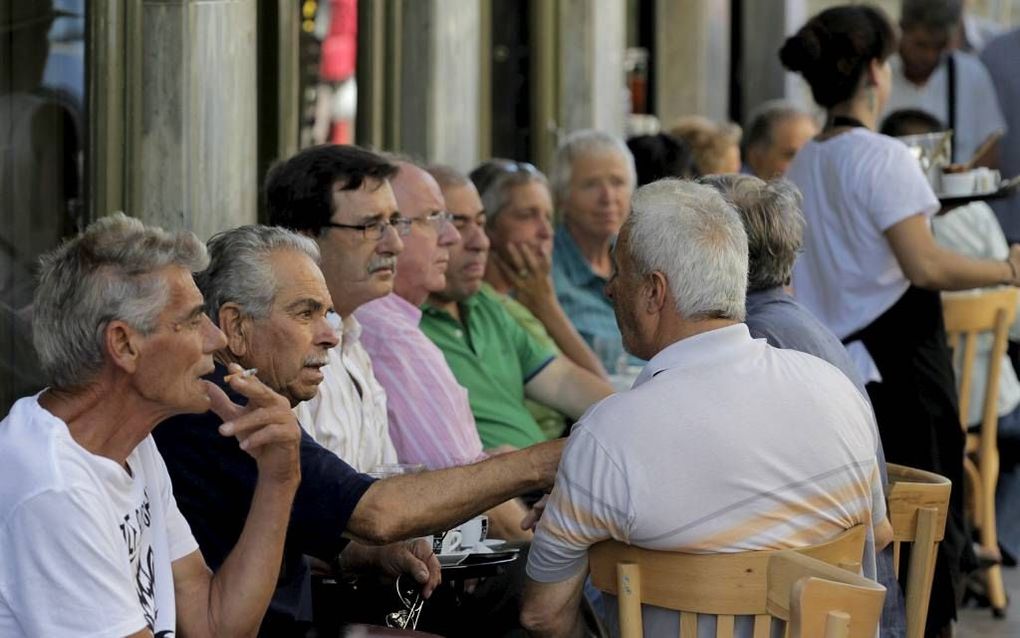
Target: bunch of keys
{"points": [[410, 597]]}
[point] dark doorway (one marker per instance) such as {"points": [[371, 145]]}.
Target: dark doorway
{"points": [[510, 60]]}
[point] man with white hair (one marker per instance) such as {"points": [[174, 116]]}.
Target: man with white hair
{"points": [[775, 132], [92, 540], [678, 290], [592, 179], [265, 290]]}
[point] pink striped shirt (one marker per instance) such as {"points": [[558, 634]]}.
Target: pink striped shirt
{"points": [[429, 414]]}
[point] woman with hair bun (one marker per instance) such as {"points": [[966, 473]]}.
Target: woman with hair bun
{"points": [[871, 269]]}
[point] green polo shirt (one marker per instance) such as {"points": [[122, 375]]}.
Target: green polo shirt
{"points": [[493, 358], [552, 422]]}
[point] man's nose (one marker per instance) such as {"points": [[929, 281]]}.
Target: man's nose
{"points": [[325, 334], [477, 239], [448, 235], [214, 337], [390, 242]]}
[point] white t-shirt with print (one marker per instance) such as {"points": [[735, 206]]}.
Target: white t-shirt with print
{"points": [[85, 547]]}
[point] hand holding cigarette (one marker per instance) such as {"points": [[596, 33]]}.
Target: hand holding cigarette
{"points": [[243, 374], [265, 428]]}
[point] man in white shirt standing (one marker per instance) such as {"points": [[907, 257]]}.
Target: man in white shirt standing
{"points": [[954, 86], [803, 471], [91, 540]]}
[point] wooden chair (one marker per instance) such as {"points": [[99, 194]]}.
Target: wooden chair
{"points": [[918, 506], [813, 588], [968, 316]]}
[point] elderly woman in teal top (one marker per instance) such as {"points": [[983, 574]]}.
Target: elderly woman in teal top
{"points": [[593, 177], [519, 211]]}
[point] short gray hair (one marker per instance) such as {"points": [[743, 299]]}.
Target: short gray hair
{"points": [[941, 15], [582, 143], [106, 273], [497, 178], [447, 176], [689, 233], [773, 221], [239, 269], [764, 119]]}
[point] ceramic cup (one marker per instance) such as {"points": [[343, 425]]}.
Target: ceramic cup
{"points": [[474, 531], [446, 542], [958, 184]]}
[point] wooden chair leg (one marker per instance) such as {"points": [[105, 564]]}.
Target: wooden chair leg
{"points": [[972, 485], [989, 470], [918, 578]]}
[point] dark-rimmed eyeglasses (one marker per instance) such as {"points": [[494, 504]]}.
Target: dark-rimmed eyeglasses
{"points": [[374, 231]]}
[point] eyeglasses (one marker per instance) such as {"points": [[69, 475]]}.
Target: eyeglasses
{"points": [[373, 231], [410, 598], [486, 175], [436, 219]]}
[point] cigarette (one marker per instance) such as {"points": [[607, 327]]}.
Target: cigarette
{"points": [[243, 374]]}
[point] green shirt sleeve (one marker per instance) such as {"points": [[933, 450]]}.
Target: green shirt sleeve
{"points": [[532, 355]]}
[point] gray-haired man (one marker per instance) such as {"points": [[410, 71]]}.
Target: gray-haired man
{"points": [[266, 292], [678, 291], [93, 542], [775, 132], [775, 228]]}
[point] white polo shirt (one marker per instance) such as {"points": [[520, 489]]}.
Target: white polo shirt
{"points": [[725, 444]]}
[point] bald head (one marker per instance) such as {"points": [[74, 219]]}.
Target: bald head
{"points": [[421, 267], [416, 191]]}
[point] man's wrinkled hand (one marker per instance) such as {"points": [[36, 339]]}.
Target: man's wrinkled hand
{"points": [[265, 428], [414, 558]]}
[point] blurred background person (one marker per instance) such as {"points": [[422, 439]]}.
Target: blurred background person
{"points": [[518, 221], [661, 155], [954, 86], [775, 132], [716, 147], [1000, 57], [592, 180], [871, 270]]}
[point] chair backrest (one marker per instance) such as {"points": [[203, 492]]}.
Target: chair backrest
{"points": [[918, 505], [968, 316], [722, 585], [818, 599]]}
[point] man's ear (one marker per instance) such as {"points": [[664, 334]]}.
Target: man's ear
{"points": [[237, 326], [656, 293], [122, 345]]}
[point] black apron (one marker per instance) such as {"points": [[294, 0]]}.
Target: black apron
{"points": [[916, 409]]}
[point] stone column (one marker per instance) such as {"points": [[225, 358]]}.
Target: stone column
{"points": [[439, 54], [766, 25], [692, 59], [592, 37], [192, 114]]}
